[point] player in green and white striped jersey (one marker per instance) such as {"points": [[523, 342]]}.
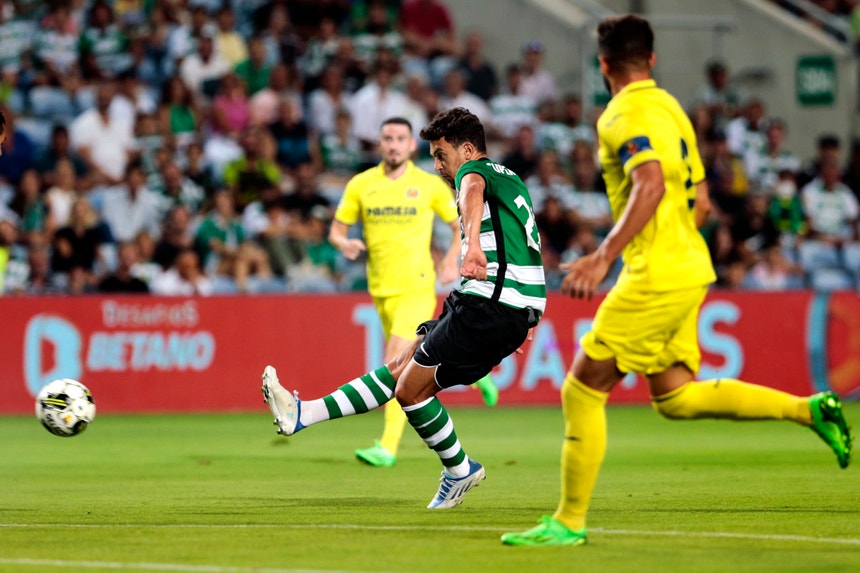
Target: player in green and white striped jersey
{"points": [[500, 299]]}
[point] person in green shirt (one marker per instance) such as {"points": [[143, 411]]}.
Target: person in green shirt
{"points": [[254, 70]]}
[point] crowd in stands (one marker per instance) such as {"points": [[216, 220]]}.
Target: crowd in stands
{"points": [[186, 147]]}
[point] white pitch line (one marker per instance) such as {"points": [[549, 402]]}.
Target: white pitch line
{"points": [[636, 532], [159, 566]]}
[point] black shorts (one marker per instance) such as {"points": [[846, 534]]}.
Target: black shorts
{"points": [[471, 336]]}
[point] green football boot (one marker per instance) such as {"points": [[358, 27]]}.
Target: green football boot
{"points": [[488, 390], [377, 456], [548, 531], [830, 425]]}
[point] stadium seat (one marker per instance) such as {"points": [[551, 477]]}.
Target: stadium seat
{"points": [[851, 258], [52, 104], [817, 255], [830, 279], [38, 130]]}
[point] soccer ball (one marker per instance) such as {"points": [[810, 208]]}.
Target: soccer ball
{"points": [[65, 407]]}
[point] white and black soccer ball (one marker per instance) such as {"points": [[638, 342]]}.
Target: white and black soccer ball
{"points": [[65, 407]]}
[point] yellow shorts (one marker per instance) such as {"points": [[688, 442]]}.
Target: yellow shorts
{"points": [[647, 332], [401, 314]]}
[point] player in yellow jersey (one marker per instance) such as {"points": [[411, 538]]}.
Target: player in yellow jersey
{"points": [[647, 322], [396, 203]]}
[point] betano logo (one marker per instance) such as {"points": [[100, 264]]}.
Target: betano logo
{"points": [[55, 347]]}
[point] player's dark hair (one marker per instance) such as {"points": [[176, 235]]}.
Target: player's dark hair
{"points": [[457, 126], [397, 121], [625, 42]]}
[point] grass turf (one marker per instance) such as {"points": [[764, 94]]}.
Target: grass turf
{"points": [[222, 493]]}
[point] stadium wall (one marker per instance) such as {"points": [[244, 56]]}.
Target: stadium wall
{"points": [[145, 354]]}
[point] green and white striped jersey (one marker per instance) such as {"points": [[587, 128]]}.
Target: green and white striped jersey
{"points": [[509, 239]]}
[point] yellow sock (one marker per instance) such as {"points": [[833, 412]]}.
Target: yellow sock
{"points": [[583, 449], [395, 421], [732, 399]]}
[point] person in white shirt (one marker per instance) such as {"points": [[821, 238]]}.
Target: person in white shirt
{"points": [[374, 103], [325, 101], [202, 65], [830, 206], [455, 95], [537, 82], [184, 278], [130, 208], [513, 109], [103, 142]]}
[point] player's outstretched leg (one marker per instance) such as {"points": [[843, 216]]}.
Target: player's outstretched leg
{"points": [[356, 397], [830, 425], [431, 421]]}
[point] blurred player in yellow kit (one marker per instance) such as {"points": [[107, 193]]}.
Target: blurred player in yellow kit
{"points": [[396, 203], [647, 323]]}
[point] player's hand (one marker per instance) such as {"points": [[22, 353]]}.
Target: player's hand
{"points": [[584, 275], [529, 337], [352, 248], [474, 265]]}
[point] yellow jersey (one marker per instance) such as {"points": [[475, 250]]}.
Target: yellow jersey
{"points": [[397, 216], [644, 123]]}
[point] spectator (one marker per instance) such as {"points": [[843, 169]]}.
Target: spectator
{"points": [[61, 195], [131, 99], [786, 209], [320, 50], [372, 104], [104, 143], [354, 74], [305, 194], [522, 159], [55, 49], [19, 153], [77, 245], [202, 69], [561, 132], [325, 101], [717, 96], [727, 180], [253, 172], [774, 272], [753, 231], [549, 181], [146, 269], [178, 115], [130, 207], [177, 189], [184, 278], [41, 280], [318, 270], [282, 44], [341, 150], [103, 46], [267, 221], [429, 40], [229, 44], [231, 113], [378, 33], [59, 149], [149, 141], [255, 70], [538, 83], [198, 171], [183, 39], [745, 134], [176, 235], [294, 142], [17, 34], [557, 231], [588, 201], [480, 75], [454, 94], [828, 148], [512, 109], [830, 206], [30, 206], [224, 248], [264, 105], [122, 280], [762, 165]]}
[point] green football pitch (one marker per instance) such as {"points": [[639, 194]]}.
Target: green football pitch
{"points": [[222, 493]]}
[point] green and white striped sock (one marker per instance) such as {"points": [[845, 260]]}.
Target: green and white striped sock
{"points": [[430, 419], [357, 397]]}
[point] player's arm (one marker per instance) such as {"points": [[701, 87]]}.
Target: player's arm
{"points": [[449, 268], [337, 236], [471, 203], [703, 203], [587, 272]]}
